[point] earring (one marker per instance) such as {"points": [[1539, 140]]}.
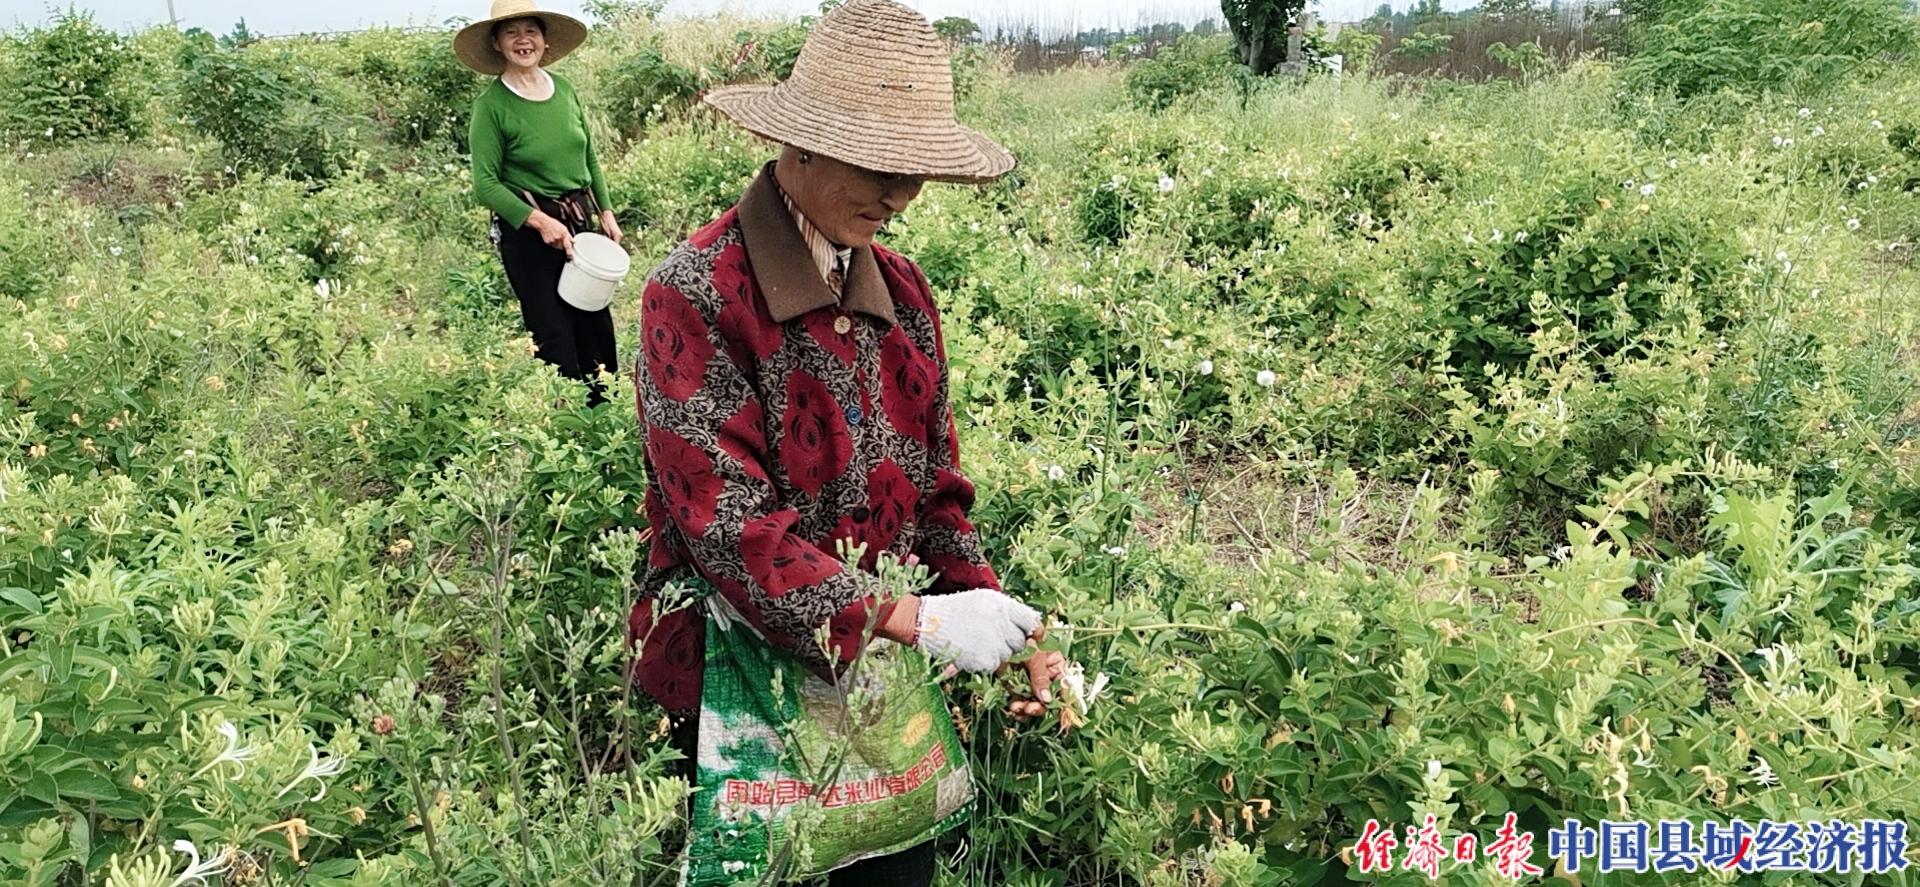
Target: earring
{"points": [[806, 157]]}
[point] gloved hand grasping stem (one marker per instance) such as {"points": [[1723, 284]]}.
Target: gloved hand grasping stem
{"points": [[976, 630]]}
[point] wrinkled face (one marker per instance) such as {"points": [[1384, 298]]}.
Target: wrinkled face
{"points": [[523, 41], [847, 203]]}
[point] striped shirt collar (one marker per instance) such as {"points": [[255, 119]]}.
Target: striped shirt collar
{"points": [[828, 256]]}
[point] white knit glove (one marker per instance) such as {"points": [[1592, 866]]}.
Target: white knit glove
{"points": [[975, 630]]}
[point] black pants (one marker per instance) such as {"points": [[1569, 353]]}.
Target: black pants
{"points": [[579, 343], [912, 867]]}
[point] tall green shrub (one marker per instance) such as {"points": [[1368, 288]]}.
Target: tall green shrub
{"points": [[1695, 47], [68, 81], [268, 113]]}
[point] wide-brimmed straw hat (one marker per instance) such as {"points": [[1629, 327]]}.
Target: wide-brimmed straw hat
{"points": [[873, 87], [474, 44]]}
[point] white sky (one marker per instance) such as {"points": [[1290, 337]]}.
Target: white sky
{"points": [[219, 16]]}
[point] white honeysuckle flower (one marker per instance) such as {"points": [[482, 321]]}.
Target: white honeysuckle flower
{"points": [[322, 288], [1236, 607], [1433, 769], [317, 770], [1780, 255], [1166, 184], [1077, 691], [1819, 130], [1647, 190], [1266, 378], [1498, 236], [199, 871], [1853, 224], [1762, 772], [1117, 550], [1519, 237], [1878, 125], [234, 753], [1206, 367], [1805, 113], [1055, 472]]}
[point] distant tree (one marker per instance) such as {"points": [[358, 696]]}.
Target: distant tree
{"points": [[955, 29], [1425, 11], [1260, 30], [1383, 11], [1206, 28], [1512, 11]]}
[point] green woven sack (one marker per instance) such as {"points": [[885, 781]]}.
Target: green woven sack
{"points": [[797, 778]]}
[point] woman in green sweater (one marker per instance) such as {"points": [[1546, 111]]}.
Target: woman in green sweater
{"points": [[535, 168]]}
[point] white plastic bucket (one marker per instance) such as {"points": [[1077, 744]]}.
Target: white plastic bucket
{"points": [[590, 278]]}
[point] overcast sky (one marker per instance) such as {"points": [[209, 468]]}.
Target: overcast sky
{"points": [[331, 15]]}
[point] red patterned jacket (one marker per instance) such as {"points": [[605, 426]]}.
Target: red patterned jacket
{"points": [[777, 422]]}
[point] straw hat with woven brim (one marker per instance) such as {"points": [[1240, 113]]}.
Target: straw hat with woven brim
{"points": [[873, 87], [474, 43]]}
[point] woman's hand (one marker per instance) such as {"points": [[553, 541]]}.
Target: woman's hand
{"points": [[976, 630], [552, 232], [1044, 669], [609, 225]]}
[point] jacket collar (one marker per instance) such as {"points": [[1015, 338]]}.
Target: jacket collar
{"points": [[784, 269]]}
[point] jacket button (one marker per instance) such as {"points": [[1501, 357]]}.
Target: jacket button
{"points": [[861, 514], [842, 324], [854, 415]]}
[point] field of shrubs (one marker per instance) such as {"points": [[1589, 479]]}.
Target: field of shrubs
{"points": [[1381, 449]]}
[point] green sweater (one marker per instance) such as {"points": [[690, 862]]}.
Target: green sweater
{"points": [[521, 145]]}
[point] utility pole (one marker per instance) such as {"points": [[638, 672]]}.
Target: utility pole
{"points": [[172, 20]]}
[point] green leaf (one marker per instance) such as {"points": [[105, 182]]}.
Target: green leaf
{"points": [[334, 868], [42, 787], [22, 598], [86, 786]]}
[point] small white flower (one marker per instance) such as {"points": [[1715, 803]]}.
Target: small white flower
{"points": [[1166, 184], [1206, 367], [1433, 769], [1627, 185], [1499, 236], [115, 250], [197, 871], [1805, 113], [66, 554], [1055, 472], [1762, 772], [1394, 115], [317, 770], [1788, 141], [1236, 607], [49, 132], [1519, 237], [733, 866], [1786, 267], [1077, 691], [234, 753], [1873, 179], [1877, 125], [1819, 130], [1853, 224], [1647, 190], [322, 288], [1266, 378], [1117, 551], [1780, 255]]}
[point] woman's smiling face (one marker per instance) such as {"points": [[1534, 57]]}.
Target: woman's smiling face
{"points": [[523, 41]]}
